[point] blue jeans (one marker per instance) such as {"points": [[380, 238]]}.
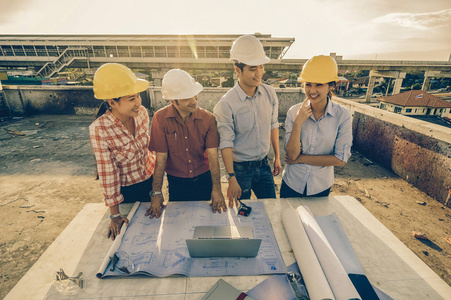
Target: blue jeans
{"points": [[255, 176]]}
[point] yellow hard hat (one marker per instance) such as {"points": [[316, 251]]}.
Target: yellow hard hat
{"points": [[115, 80], [319, 69]]}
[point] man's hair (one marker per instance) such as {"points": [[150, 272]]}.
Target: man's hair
{"points": [[240, 65]]}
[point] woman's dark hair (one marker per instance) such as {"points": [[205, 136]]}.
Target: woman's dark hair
{"points": [[334, 85], [104, 107]]}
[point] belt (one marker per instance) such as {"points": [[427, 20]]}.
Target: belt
{"points": [[253, 163]]}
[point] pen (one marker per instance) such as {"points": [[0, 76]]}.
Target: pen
{"points": [[175, 135]]}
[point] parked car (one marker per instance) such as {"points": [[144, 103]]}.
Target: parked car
{"points": [[372, 96], [349, 93]]}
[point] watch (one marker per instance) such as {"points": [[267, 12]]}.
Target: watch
{"points": [[115, 216], [154, 193], [230, 175]]}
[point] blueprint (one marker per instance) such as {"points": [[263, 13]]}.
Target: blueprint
{"points": [[157, 247]]}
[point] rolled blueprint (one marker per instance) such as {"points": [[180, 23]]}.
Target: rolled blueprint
{"points": [[336, 275], [117, 242], [314, 278]]}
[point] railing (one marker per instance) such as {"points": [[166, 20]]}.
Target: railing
{"points": [[64, 60], [377, 62]]}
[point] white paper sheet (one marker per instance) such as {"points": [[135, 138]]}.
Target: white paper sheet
{"points": [[157, 247]]}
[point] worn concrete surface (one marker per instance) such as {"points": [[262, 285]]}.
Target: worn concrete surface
{"points": [[47, 176]]}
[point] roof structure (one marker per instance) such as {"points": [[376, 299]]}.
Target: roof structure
{"points": [[416, 98]]}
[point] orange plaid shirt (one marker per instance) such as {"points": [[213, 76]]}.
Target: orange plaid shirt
{"points": [[122, 159]]}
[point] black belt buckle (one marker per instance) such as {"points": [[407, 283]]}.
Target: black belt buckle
{"points": [[244, 210]]}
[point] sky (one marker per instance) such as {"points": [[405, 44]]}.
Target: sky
{"points": [[355, 29]]}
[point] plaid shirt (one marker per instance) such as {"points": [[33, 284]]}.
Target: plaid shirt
{"points": [[122, 159]]}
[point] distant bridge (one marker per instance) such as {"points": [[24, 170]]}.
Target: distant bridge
{"points": [[81, 58], [47, 55]]}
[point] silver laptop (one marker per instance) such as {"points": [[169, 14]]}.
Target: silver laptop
{"points": [[223, 241]]}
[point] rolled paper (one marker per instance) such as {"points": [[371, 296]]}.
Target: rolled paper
{"points": [[314, 277], [117, 242], [338, 278]]}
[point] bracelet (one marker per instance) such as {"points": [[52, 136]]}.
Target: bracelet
{"points": [[154, 193], [115, 216]]}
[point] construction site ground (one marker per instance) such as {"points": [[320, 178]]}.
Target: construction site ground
{"points": [[47, 175]]}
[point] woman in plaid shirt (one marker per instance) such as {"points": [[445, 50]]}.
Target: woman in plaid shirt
{"points": [[120, 140]]}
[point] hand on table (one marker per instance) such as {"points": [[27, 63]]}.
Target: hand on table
{"points": [[217, 202], [156, 205], [115, 227]]}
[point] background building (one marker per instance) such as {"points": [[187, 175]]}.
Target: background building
{"points": [[415, 103]]}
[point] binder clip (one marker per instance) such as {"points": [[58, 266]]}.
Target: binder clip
{"points": [[244, 210]]}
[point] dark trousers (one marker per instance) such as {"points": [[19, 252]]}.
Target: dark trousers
{"points": [[138, 191], [287, 192], [190, 189], [255, 176]]}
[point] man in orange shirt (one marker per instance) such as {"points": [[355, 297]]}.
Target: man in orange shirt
{"points": [[185, 139]]}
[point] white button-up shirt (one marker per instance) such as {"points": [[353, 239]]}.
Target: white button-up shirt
{"points": [[329, 135], [245, 123]]}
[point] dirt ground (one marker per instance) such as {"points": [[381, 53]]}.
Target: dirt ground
{"points": [[47, 176]]}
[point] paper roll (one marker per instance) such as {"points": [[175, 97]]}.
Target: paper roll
{"points": [[314, 278], [336, 275], [117, 243]]}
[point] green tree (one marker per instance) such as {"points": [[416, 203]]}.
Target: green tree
{"points": [[228, 83], [416, 86], [412, 78], [362, 73]]}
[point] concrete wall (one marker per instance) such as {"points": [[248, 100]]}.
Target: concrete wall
{"points": [[417, 151], [28, 100], [35, 99]]}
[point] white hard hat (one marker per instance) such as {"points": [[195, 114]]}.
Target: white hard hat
{"points": [[247, 49], [178, 84]]}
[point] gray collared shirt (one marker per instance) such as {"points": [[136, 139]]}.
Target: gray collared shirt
{"points": [[245, 123]]}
